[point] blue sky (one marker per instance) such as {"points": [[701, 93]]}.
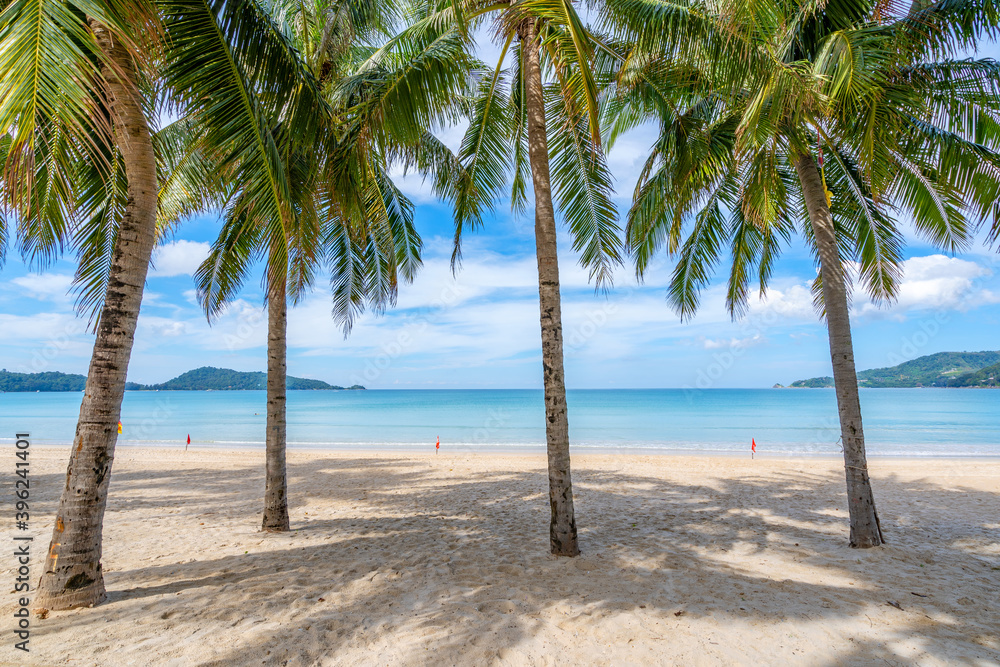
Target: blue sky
{"points": [[479, 329]]}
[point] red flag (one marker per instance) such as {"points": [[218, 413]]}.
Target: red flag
{"points": [[753, 447], [437, 446], [189, 438]]}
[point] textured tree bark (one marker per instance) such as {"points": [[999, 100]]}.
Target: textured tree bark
{"points": [[275, 484], [865, 529], [73, 576], [562, 528]]}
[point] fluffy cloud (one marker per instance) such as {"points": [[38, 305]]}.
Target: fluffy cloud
{"points": [[178, 258], [35, 329], [932, 282], [792, 302], [627, 158], [45, 342], [486, 317], [241, 326], [416, 187], [165, 327], [731, 343], [45, 285], [936, 282]]}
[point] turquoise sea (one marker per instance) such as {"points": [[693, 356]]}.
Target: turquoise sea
{"points": [[914, 422]]}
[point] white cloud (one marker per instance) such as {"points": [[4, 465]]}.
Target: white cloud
{"points": [[732, 343], [191, 296], [178, 258], [932, 282], [166, 328], [31, 329], [627, 158], [794, 302], [45, 285], [417, 188], [487, 318], [936, 282], [45, 342]]}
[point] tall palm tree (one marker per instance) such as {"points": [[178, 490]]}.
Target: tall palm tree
{"points": [[70, 96], [81, 165], [539, 116], [344, 211], [908, 132]]}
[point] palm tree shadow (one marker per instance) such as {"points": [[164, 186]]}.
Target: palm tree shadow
{"points": [[461, 571]]}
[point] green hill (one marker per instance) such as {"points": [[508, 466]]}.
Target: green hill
{"points": [[41, 381], [205, 378], [944, 369], [224, 379], [984, 377], [813, 383], [47, 381]]}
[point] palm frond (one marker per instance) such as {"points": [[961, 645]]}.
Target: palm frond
{"points": [[699, 254], [485, 155], [583, 188], [240, 244], [101, 205], [229, 48]]}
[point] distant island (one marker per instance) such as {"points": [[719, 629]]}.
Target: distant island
{"points": [[944, 369], [50, 381], [209, 378], [206, 378]]}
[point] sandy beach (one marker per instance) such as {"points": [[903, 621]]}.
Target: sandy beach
{"points": [[416, 559]]}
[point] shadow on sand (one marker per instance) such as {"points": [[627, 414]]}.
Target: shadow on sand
{"points": [[456, 570]]}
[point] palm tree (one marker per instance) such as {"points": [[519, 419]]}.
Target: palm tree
{"points": [[539, 115], [344, 211], [908, 132], [71, 96], [81, 167]]}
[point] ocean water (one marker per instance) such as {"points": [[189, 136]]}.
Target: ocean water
{"points": [[913, 422]]}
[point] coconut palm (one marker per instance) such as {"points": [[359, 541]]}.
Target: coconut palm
{"points": [[907, 133], [81, 164], [376, 107], [70, 96], [538, 118]]}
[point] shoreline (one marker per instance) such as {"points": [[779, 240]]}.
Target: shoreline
{"points": [[533, 450], [540, 390]]}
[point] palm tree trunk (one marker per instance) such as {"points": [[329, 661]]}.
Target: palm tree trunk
{"points": [[73, 576], [562, 528], [275, 483], [865, 529]]}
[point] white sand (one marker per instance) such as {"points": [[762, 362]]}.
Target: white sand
{"points": [[420, 559]]}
